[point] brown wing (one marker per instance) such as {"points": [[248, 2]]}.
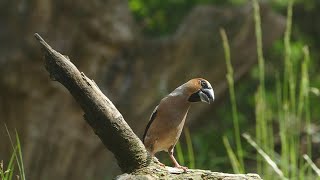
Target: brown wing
{"points": [[153, 116]]}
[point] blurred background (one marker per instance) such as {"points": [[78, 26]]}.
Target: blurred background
{"points": [[137, 51]]}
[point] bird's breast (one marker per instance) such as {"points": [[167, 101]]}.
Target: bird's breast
{"points": [[167, 126]]}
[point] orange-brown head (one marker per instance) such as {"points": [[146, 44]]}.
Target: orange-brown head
{"points": [[199, 89]]}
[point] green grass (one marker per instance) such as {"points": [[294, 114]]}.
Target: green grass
{"points": [[180, 154], [190, 161], [189, 148], [7, 173], [233, 158], [288, 117], [238, 166]]}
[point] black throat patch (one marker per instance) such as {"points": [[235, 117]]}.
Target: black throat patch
{"points": [[194, 97]]}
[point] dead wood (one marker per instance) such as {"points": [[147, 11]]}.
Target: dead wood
{"points": [[100, 113]]}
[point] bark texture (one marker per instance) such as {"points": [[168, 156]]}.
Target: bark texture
{"points": [[109, 125], [100, 113], [134, 71], [154, 173]]}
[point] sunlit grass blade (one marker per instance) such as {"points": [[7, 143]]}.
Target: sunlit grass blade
{"points": [[264, 155], [234, 161], [10, 175], [258, 32], [307, 103], [190, 148], [304, 166], [180, 153], [312, 165], [284, 161], [230, 80], [303, 104], [289, 78], [290, 96], [11, 165], [263, 127], [20, 156], [13, 148], [17, 158], [304, 82]]}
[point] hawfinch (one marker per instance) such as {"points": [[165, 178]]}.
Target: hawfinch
{"points": [[167, 119]]}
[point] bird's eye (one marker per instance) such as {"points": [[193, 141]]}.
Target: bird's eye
{"points": [[203, 84]]}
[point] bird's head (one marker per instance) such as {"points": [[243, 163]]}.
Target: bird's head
{"points": [[198, 90]]}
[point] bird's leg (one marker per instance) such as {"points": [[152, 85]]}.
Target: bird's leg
{"points": [[157, 161], [173, 159]]}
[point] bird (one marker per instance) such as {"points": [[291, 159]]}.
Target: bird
{"points": [[168, 118]]}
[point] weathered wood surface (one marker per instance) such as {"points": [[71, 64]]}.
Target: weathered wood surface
{"points": [[154, 173], [100, 113]]}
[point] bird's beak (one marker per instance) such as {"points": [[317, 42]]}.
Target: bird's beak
{"points": [[206, 95]]}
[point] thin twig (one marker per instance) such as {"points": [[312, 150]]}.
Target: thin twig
{"points": [[313, 166], [264, 155]]}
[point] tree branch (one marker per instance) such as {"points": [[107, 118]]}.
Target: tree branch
{"points": [[151, 173], [100, 113]]}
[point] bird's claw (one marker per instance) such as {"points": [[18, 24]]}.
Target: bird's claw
{"points": [[158, 162], [182, 167], [161, 164]]}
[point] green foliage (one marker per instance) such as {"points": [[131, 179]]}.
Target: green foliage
{"points": [[292, 112], [180, 154], [190, 154], [238, 166], [163, 17], [282, 4], [6, 173]]}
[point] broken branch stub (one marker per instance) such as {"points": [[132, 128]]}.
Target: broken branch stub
{"points": [[100, 113]]}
